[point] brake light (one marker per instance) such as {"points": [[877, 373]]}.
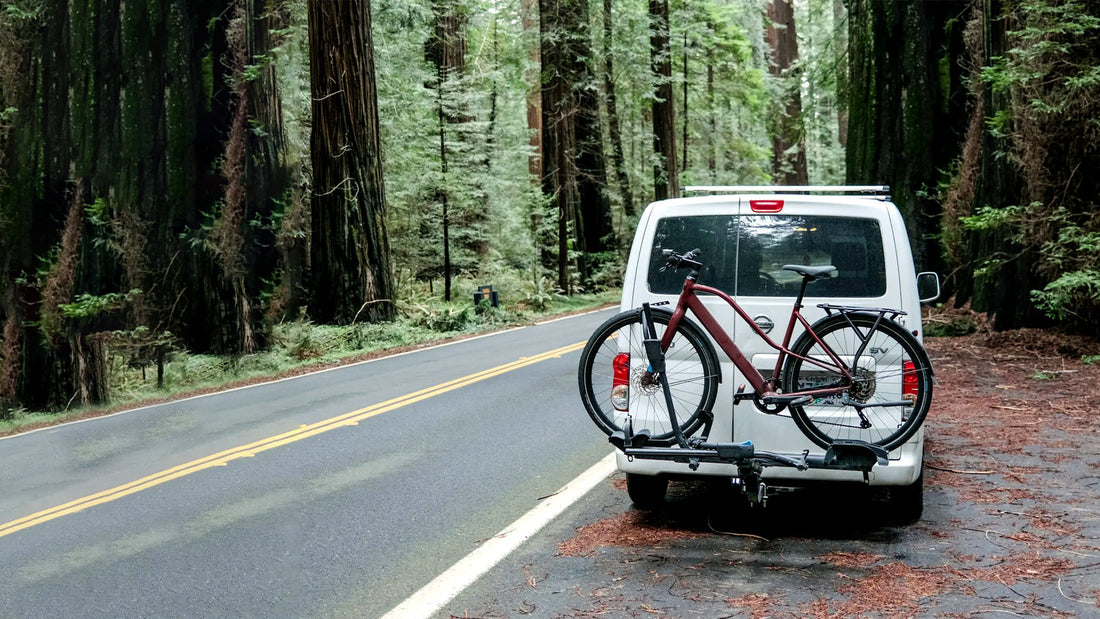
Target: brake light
{"points": [[766, 206], [909, 381], [620, 383]]}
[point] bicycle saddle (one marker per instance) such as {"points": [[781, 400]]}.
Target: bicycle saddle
{"points": [[821, 272]]}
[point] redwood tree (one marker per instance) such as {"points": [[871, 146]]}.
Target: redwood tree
{"points": [[351, 278], [572, 139], [112, 182], [788, 138], [906, 107], [666, 174]]}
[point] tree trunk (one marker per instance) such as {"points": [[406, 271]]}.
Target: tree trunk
{"points": [[618, 161], [593, 209], [788, 139], [666, 176], [350, 251], [840, 15], [110, 95], [685, 122], [905, 126], [572, 140], [559, 110], [446, 50], [530, 20]]}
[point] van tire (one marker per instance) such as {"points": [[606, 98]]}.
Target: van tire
{"points": [[647, 492], [907, 502]]}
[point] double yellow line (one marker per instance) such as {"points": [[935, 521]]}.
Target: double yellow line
{"points": [[247, 451]]}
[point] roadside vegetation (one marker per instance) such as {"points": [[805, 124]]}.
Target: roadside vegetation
{"points": [[300, 346]]}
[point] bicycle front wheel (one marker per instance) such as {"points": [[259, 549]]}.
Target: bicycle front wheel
{"points": [[615, 381], [891, 389]]}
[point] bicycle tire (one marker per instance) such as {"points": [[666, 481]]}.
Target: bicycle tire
{"points": [[691, 368], [881, 377]]}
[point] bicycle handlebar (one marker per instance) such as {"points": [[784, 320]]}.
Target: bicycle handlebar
{"points": [[679, 261]]}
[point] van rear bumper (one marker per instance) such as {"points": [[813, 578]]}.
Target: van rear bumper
{"points": [[904, 467]]}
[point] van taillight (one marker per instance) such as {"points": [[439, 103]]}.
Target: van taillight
{"points": [[909, 381], [620, 383], [766, 206]]}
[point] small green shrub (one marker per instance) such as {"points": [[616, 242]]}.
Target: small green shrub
{"points": [[540, 293], [953, 328]]}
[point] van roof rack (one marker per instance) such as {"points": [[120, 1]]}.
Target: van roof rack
{"points": [[880, 191]]}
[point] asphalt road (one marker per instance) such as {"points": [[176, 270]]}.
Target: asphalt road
{"points": [[332, 494]]}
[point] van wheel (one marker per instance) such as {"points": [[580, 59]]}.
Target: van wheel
{"points": [[646, 491], [907, 502]]}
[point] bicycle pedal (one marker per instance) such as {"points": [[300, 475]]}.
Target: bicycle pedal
{"points": [[740, 395]]}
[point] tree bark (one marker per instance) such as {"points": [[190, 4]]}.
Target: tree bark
{"points": [[111, 96], [530, 22], [840, 15], [788, 140], [350, 251], [572, 138], [684, 122], [906, 122], [666, 176]]}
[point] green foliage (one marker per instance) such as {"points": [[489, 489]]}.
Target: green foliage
{"points": [[1072, 256], [1073, 294], [540, 293], [92, 306], [1050, 78], [23, 11], [988, 218], [444, 320], [98, 212]]}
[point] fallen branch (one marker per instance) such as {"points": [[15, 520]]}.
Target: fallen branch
{"points": [[714, 530], [364, 306], [1086, 602]]}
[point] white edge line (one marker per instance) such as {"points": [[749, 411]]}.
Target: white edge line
{"points": [[434, 595], [279, 380]]}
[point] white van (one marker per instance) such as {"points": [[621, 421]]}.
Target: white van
{"points": [[746, 235]]}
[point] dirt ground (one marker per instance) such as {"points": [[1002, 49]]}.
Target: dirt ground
{"points": [[1011, 524]]}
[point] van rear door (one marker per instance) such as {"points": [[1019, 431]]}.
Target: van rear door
{"points": [[807, 230]]}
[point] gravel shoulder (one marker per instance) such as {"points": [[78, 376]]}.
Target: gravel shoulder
{"points": [[1011, 524]]}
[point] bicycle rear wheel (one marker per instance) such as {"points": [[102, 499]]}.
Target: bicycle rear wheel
{"points": [[892, 380], [615, 381]]}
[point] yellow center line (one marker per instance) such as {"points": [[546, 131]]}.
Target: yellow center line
{"points": [[223, 458]]}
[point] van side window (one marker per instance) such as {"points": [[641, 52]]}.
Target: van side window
{"points": [[745, 255]]}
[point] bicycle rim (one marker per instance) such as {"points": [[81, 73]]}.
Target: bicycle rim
{"points": [[892, 378], [615, 382]]}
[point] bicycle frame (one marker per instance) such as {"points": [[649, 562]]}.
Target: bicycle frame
{"points": [[689, 299]]}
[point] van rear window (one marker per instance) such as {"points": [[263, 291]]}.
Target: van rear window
{"points": [[744, 255]]}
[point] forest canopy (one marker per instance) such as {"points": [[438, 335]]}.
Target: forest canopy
{"points": [[186, 174]]}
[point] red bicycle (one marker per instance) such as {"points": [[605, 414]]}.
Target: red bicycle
{"points": [[854, 376]]}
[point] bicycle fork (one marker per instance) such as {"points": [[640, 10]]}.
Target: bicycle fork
{"points": [[656, 358]]}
